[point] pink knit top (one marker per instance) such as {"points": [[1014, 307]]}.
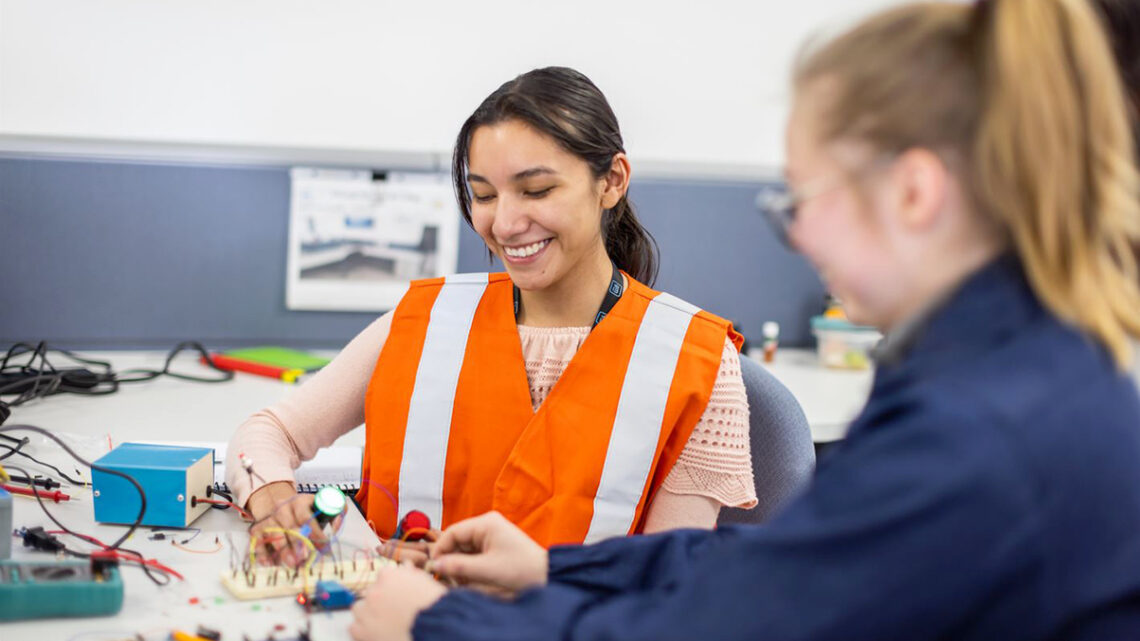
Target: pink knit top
{"points": [[716, 464]]}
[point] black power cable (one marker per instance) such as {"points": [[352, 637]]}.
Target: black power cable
{"points": [[49, 542], [31, 380], [92, 466], [16, 450]]}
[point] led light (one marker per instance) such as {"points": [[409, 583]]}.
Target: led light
{"points": [[330, 501]]}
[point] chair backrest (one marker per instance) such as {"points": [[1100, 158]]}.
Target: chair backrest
{"points": [[783, 457]]}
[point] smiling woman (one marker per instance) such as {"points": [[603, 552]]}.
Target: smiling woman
{"points": [[557, 120], [565, 394]]}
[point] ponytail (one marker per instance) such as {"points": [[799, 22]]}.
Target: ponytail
{"points": [[629, 245], [1053, 161], [1025, 93]]}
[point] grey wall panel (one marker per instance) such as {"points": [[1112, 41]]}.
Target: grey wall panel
{"points": [[121, 255]]}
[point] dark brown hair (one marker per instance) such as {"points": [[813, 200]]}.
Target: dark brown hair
{"points": [[563, 104]]}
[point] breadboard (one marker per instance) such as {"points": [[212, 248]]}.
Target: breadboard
{"points": [[276, 581]]}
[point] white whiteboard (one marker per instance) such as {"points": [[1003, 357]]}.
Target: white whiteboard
{"points": [[698, 87]]}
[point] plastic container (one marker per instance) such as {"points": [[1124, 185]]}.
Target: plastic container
{"points": [[843, 345]]}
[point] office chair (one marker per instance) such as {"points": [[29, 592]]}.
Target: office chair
{"points": [[782, 454]]}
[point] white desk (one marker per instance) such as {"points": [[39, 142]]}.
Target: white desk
{"points": [[163, 409], [830, 398], [170, 409]]}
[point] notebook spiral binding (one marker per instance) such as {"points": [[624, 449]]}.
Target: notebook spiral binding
{"points": [[303, 488]]}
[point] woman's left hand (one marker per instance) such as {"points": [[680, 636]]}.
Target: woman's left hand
{"points": [[389, 608]]}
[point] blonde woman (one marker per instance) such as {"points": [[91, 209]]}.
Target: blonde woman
{"points": [[962, 177], [1122, 17]]}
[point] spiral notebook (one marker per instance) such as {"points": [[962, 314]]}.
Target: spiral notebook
{"points": [[338, 466]]}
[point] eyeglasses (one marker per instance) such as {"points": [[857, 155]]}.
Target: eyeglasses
{"points": [[779, 203]]}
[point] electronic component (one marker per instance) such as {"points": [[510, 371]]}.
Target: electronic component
{"points": [[38, 539], [328, 595], [170, 476], [5, 524], [328, 504], [413, 527], [275, 581], [36, 590]]}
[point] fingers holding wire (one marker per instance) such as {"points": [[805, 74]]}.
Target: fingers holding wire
{"points": [[288, 515]]}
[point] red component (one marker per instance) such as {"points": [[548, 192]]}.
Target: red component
{"points": [[193, 600], [415, 522], [56, 496]]}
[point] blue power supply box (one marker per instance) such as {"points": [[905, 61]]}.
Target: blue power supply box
{"points": [[172, 477]]}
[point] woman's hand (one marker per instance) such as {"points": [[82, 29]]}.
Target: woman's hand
{"points": [[413, 552], [490, 554], [278, 505], [390, 607]]}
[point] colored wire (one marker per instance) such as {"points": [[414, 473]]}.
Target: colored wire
{"points": [[145, 563], [119, 553], [163, 531], [287, 533], [115, 547], [106, 470], [242, 512], [274, 512], [16, 450], [55, 495], [247, 465], [404, 539], [186, 549]]}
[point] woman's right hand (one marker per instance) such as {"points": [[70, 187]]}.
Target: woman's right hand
{"points": [[278, 505], [490, 554]]}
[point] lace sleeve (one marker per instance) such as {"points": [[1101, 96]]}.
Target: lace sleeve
{"points": [[717, 460]]}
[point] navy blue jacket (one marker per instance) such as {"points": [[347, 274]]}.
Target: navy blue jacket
{"points": [[989, 490]]}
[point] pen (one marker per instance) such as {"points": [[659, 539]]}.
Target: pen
{"points": [[287, 374]]}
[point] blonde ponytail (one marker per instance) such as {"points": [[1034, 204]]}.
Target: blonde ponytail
{"points": [[1027, 94]]}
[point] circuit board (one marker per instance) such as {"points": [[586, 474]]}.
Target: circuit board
{"points": [[265, 582]]}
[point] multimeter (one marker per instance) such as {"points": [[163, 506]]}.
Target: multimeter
{"points": [[40, 589]]}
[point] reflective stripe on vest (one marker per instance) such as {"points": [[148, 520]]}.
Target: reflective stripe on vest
{"points": [[640, 412], [433, 397]]}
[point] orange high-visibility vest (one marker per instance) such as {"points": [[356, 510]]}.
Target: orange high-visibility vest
{"points": [[451, 430]]}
